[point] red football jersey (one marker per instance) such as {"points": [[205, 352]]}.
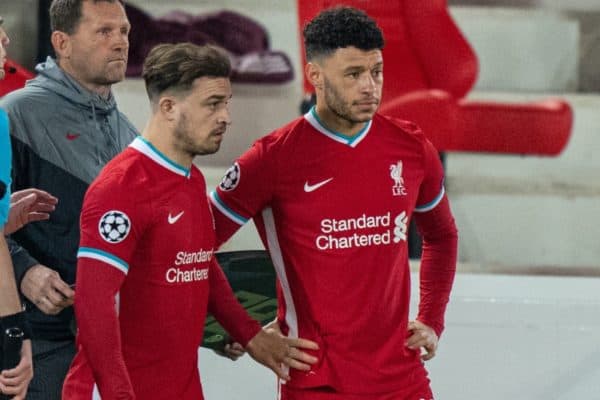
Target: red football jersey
{"points": [[333, 212], [147, 236]]}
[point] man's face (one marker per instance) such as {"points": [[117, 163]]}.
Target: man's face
{"points": [[203, 116], [352, 82], [4, 41], [99, 46]]}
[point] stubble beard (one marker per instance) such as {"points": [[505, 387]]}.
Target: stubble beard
{"points": [[185, 142], [111, 76], [338, 106]]}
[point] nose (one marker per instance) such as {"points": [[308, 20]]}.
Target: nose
{"points": [[367, 84], [124, 41], [225, 117], [121, 41]]}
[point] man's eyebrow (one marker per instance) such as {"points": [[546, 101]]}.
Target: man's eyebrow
{"points": [[354, 68], [218, 97]]}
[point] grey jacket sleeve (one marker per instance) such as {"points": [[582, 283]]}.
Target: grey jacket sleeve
{"points": [[21, 260]]}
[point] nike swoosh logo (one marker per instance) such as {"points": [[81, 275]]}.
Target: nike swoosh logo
{"points": [[174, 219], [311, 188]]}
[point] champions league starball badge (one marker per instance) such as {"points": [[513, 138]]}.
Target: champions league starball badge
{"points": [[114, 226], [231, 178]]}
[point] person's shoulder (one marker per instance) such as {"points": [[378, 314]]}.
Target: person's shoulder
{"points": [[407, 132], [285, 133], [122, 174], [121, 186], [25, 97], [3, 119], [131, 130], [198, 175], [400, 126]]}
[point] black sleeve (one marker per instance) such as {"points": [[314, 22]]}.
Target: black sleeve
{"points": [[21, 260], [17, 320]]}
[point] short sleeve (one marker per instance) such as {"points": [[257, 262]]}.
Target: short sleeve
{"points": [[432, 189], [5, 165], [112, 219], [246, 187]]}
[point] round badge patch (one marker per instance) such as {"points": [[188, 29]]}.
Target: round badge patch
{"points": [[231, 178], [114, 226]]}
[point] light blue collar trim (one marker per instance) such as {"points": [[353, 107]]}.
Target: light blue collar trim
{"points": [[351, 141], [146, 148]]}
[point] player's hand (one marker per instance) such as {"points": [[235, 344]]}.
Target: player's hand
{"points": [[44, 287], [277, 352], [14, 382], [422, 336], [27, 206], [234, 350], [231, 350]]}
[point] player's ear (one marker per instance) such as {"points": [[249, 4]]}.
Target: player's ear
{"points": [[314, 74], [167, 106]]}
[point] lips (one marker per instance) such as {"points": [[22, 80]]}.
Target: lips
{"points": [[365, 103], [219, 131], [218, 135], [118, 58]]}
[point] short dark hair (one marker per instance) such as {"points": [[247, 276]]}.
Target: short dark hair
{"points": [[341, 27], [65, 15], [176, 66]]}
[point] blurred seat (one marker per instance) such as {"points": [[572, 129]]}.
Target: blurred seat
{"points": [[429, 69], [245, 40], [15, 77]]}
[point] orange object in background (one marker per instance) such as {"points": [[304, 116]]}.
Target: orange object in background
{"points": [[15, 77], [429, 68]]}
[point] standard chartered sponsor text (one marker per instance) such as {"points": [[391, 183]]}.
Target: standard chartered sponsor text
{"points": [[333, 237], [178, 275], [362, 222], [327, 242], [184, 258]]}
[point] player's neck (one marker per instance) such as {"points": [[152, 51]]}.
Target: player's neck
{"points": [[335, 123], [160, 138]]}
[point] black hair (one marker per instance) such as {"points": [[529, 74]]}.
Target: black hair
{"points": [[341, 27]]}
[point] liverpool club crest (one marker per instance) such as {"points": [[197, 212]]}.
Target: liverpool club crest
{"points": [[398, 188]]}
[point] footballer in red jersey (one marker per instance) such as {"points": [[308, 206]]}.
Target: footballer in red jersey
{"points": [[332, 194], [153, 247], [146, 272]]}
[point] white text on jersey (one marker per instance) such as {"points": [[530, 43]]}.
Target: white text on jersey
{"points": [[184, 258], [380, 233], [176, 275]]}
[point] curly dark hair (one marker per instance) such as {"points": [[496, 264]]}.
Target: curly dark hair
{"points": [[341, 27]]}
